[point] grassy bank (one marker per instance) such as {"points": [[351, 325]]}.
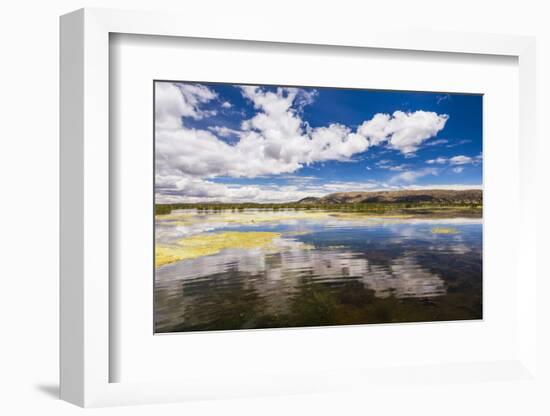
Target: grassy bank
{"points": [[421, 209]]}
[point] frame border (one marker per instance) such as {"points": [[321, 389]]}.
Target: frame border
{"points": [[84, 187]]}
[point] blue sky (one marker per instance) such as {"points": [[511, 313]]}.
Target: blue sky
{"points": [[235, 143]]}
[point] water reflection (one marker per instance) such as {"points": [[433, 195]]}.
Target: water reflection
{"points": [[322, 271]]}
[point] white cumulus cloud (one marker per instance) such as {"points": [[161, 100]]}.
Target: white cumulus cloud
{"points": [[403, 131], [174, 101], [171, 189], [274, 141]]}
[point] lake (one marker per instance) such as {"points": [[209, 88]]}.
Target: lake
{"points": [[229, 270]]}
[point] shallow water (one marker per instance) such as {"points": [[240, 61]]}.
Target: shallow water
{"points": [[319, 269]]}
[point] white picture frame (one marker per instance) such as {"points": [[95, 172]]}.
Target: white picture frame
{"points": [[85, 219]]}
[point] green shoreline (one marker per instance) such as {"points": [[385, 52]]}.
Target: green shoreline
{"points": [[412, 210]]}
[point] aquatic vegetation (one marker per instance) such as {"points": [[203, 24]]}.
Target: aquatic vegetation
{"points": [[174, 230], [210, 243], [181, 223], [193, 222], [187, 217], [257, 269], [444, 230]]}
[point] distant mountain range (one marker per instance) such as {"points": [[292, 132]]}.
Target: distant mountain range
{"points": [[436, 196]]}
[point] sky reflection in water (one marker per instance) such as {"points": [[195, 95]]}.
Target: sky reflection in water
{"points": [[322, 271]]}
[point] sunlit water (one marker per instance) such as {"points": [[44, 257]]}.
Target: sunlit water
{"points": [[320, 271]]}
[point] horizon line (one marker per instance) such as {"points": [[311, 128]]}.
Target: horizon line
{"points": [[427, 189]]}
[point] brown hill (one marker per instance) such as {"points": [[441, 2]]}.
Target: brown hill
{"points": [[436, 196]]}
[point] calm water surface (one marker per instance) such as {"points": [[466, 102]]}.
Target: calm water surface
{"points": [[319, 270]]}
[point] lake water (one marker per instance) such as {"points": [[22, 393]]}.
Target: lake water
{"points": [[267, 269]]}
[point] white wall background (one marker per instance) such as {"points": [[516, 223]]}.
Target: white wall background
{"points": [[29, 56]]}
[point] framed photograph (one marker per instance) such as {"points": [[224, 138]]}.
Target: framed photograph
{"points": [[290, 206], [272, 214]]}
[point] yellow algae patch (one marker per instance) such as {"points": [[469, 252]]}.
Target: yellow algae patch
{"points": [[252, 217], [211, 243], [444, 230], [166, 254], [245, 217], [268, 216]]}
